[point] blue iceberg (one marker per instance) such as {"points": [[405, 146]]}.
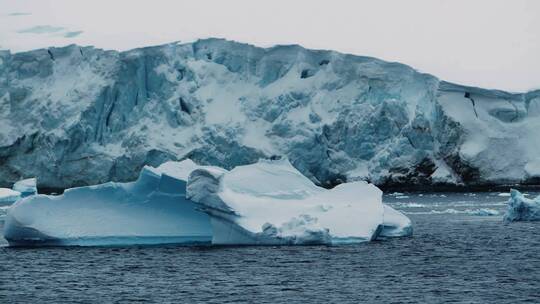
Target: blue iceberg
{"points": [[521, 208], [151, 210]]}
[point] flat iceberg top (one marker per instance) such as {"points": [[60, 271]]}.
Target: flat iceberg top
{"points": [[179, 170], [276, 180], [271, 201]]}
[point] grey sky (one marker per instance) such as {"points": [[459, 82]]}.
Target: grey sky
{"points": [[489, 43]]}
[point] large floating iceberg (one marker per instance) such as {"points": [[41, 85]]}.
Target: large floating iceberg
{"points": [[151, 210], [521, 208], [271, 202]]}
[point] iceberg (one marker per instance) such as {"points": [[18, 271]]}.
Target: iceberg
{"points": [[8, 196], [272, 203], [395, 223], [151, 210], [26, 187], [22, 188], [521, 208]]}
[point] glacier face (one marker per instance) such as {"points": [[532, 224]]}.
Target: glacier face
{"points": [[272, 203], [77, 116]]}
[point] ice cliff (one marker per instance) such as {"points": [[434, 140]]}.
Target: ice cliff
{"points": [[76, 116]]}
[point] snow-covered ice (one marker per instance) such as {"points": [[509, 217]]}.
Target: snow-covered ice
{"points": [[271, 202], [151, 210], [8, 196], [26, 187], [521, 208], [395, 223]]}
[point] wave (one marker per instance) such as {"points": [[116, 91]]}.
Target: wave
{"points": [[476, 212]]}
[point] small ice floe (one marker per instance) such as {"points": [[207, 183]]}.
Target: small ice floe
{"points": [[414, 205], [504, 194], [475, 212], [521, 208], [22, 188], [26, 187], [485, 212]]}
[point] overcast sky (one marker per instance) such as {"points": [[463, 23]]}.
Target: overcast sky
{"points": [[488, 43]]}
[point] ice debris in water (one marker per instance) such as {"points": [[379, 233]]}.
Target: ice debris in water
{"points": [[521, 208], [151, 210], [271, 202], [486, 212]]}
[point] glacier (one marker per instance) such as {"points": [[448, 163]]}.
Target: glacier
{"points": [[151, 210], [272, 203], [74, 116], [521, 208]]}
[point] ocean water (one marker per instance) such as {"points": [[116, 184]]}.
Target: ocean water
{"points": [[461, 252]]}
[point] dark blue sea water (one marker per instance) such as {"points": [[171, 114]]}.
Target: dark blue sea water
{"points": [[459, 254]]}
